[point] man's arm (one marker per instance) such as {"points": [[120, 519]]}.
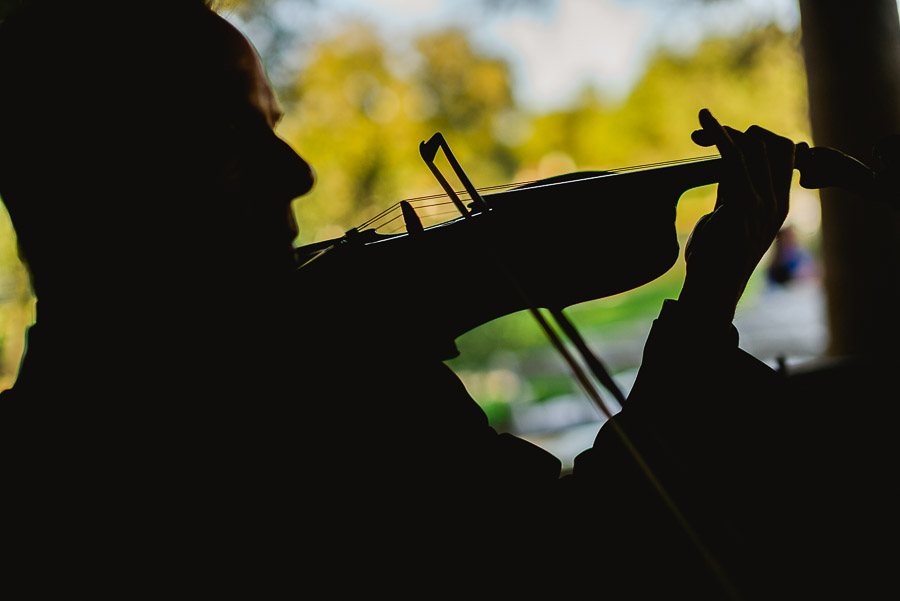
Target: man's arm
{"points": [[682, 468]]}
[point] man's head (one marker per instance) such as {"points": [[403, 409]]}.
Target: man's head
{"points": [[133, 141]]}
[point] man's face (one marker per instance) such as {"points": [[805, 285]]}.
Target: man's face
{"points": [[174, 162], [262, 171]]}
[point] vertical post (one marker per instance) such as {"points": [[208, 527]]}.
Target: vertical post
{"points": [[852, 53]]}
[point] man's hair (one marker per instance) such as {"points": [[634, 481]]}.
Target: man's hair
{"points": [[66, 67], [49, 36], [92, 98], [9, 9]]}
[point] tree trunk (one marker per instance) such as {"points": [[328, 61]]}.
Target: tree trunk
{"points": [[852, 53]]}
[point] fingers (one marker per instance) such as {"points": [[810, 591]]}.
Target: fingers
{"points": [[756, 157], [736, 178], [770, 163], [751, 205], [711, 132], [714, 134], [756, 178]]}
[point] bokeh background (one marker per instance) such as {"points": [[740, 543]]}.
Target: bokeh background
{"points": [[525, 89]]}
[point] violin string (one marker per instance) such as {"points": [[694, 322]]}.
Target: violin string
{"points": [[396, 207], [664, 163], [385, 221], [363, 226], [397, 229], [392, 219], [463, 193], [436, 204], [383, 215]]}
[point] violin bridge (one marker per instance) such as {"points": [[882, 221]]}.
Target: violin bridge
{"points": [[428, 150]]}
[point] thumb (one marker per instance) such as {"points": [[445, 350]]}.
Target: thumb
{"points": [[697, 231]]}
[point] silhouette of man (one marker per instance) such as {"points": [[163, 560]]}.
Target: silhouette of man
{"points": [[174, 388], [151, 199], [171, 365]]}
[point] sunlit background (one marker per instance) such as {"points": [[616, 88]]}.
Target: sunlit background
{"points": [[525, 89]]}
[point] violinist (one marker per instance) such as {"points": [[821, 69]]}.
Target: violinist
{"points": [[151, 200], [174, 387], [177, 390]]}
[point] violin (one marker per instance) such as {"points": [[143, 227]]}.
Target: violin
{"points": [[546, 244]]}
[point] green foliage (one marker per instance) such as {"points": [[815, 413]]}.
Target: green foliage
{"points": [[362, 110]]}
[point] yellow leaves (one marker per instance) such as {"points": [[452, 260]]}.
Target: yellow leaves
{"points": [[363, 109], [16, 303], [469, 87], [419, 103], [489, 80]]}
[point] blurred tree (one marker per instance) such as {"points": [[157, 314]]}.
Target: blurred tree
{"points": [[362, 110]]}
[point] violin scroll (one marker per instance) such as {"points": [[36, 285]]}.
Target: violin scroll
{"points": [[822, 167]]}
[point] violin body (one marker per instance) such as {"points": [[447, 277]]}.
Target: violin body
{"points": [[549, 244]]}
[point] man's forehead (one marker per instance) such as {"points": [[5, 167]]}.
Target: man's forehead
{"points": [[250, 72], [262, 90]]}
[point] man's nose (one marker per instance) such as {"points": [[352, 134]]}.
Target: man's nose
{"points": [[295, 175]]}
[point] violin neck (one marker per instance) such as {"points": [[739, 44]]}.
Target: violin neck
{"points": [[678, 178], [663, 181], [702, 173]]}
